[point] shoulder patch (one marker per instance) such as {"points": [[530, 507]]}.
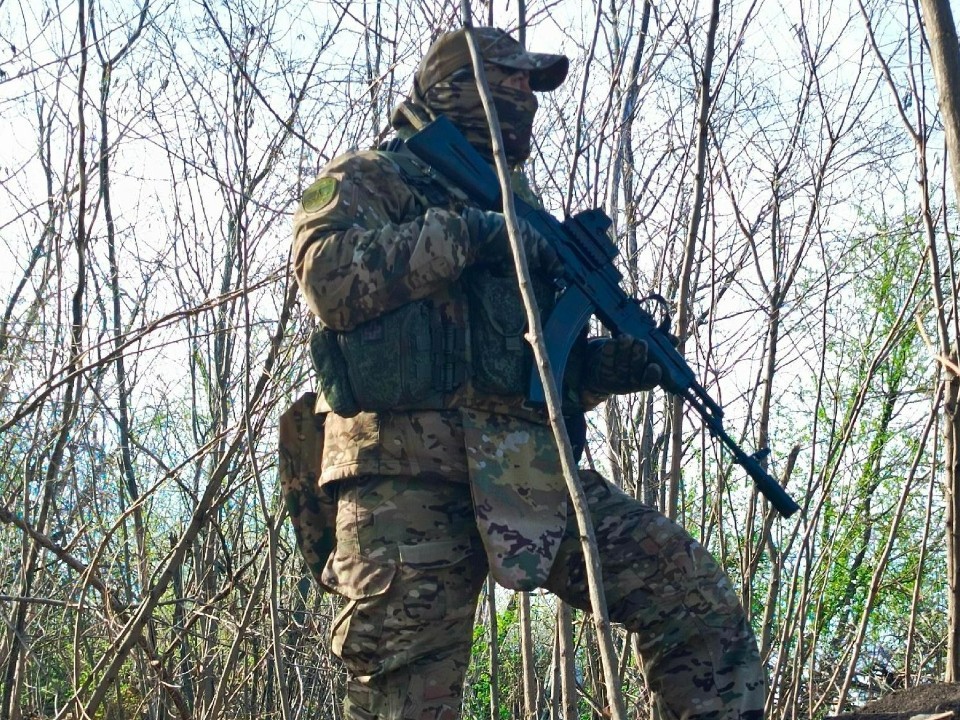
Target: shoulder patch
{"points": [[318, 196]]}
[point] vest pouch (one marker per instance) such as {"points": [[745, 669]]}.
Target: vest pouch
{"points": [[332, 375], [501, 357], [389, 358]]}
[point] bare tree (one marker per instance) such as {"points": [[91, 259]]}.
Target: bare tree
{"points": [[941, 33], [773, 172]]}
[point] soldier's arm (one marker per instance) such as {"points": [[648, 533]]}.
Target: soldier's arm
{"points": [[362, 245]]}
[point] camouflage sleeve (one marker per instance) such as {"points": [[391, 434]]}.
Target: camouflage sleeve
{"points": [[363, 243]]}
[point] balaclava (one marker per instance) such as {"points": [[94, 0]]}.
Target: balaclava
{"points": [[444, 85], [458, 98]]}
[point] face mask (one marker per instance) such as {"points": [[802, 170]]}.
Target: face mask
{"points": [[458, 98]]}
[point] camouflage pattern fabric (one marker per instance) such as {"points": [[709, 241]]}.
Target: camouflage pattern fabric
{"points": [[426, 444], [312, 510], [521, 523], [408, 559], [410, 563], [451, 52], [699, 653], [369, 240], [458, 98], [368, 243]]}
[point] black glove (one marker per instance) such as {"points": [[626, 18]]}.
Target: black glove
{"points": [[490, 243], [618, 365]]}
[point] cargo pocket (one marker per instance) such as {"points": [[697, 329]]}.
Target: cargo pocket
{"points": [[388, 359], [501, 356], [357, 629], [434, 582], [498, 320]]}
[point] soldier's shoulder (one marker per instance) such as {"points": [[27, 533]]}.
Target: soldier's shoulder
{"points": [[361, 163], [347, 182]]}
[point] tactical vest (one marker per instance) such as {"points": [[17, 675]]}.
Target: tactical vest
{"points": [[410, 359], [413, 358]]}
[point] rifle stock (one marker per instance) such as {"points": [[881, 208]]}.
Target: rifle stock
{"points": [[590, 286]]}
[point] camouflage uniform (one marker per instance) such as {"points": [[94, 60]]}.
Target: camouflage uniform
{"points": [[428, 499]]}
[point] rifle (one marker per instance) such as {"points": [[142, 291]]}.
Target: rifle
{"points": [[590, 285]]}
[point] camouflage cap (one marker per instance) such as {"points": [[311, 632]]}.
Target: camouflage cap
{"points": [[450, 52]]}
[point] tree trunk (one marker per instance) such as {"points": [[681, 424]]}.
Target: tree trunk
{"points": [[494, 649], [945, 57], [526, 653], [952, 501], [684, 294], [568, 662]]}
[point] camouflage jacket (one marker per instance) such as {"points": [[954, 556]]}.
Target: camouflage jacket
{"points": [[370, 236]]}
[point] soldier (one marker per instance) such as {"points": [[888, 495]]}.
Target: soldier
{"points": [[433, 470]]}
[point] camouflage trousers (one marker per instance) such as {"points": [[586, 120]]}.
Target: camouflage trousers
{"points": [[410, 563]]}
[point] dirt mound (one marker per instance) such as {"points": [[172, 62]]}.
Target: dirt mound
{"points": [[938, 700]]}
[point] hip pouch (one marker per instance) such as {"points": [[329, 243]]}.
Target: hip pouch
{"points": [[502, 358], [399, 360], [331, 370]]}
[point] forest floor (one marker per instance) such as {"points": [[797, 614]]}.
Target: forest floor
{"points": [[940, 701]]}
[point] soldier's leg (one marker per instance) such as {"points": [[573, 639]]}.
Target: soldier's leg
{"points": [[410, 563], [699, 652]]}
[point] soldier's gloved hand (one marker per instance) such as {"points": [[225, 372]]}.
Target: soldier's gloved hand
{"points": [[490, 243], [619, 365]]}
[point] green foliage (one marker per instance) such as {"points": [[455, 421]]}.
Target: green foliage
{"points": [[478, 689]]}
